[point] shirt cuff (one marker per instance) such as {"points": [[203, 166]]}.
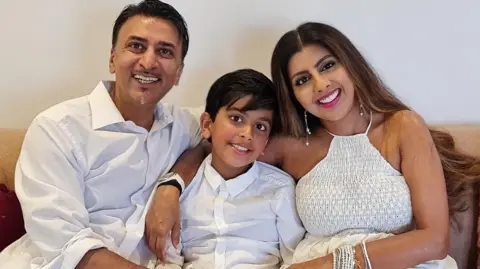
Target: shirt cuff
{"points": [[75, 252]]}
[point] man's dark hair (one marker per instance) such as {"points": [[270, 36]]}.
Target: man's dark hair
{"points": [[154, 9], [235, 85]]}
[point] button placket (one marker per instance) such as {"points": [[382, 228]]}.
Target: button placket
{"points": [[221, 228]]}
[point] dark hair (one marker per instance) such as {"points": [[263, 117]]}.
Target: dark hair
{"points": [[235, 85], [155, 9], [460, 170]]}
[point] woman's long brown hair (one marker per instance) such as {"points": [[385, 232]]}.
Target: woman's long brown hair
{"points": [[461, 171]]}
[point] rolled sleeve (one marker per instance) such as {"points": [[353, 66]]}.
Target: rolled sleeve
{"points": [[289, 225], [49, 184]]}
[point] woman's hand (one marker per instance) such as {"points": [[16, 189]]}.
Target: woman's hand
{"points": [[325, 262]]}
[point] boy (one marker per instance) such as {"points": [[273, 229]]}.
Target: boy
{"points": [[238, 213]]}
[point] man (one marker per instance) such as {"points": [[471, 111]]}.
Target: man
{"points": [[88, 167]]}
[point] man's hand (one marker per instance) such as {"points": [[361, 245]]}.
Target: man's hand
{"points": [[164, 214], [163, 217]]}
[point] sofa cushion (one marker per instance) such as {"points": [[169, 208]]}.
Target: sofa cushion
{"points": [[11, 219], [478, 237], [3, 177], [10, 144]]}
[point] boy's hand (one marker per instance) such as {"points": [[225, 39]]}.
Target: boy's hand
{"points": [[163, 217]]}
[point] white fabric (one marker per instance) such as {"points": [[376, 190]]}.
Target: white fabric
{"points": [[85, 177], [246, 222], [353, 194], [196, 111], [313, 247]]}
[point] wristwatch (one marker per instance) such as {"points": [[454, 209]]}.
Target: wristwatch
{"points": [[172, 179]]}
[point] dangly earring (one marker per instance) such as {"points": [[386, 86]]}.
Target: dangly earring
{"points": [[307, 130], [362, 110]]}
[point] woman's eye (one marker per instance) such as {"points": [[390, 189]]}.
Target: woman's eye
{"points": [[328, 66], [301, 81]]}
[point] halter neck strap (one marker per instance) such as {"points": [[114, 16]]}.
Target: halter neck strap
{"points": [[365, 133]]}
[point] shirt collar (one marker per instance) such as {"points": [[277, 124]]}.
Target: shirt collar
{"points": [[105, 112], [234, 186]]}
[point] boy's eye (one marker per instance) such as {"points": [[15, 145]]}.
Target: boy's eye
{"points": [[261, 127], [236, 118]]}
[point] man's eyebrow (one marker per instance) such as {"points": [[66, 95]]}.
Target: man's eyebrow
{"points": [[137, 38], [143, 40]]}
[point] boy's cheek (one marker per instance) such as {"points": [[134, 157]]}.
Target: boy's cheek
{"points": [[260, 146]]}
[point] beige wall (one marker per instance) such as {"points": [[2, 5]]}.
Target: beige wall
{"points": [[52, 50]]}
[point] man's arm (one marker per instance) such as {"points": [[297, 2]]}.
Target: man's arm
{"points": [[189, 162], [50, 186], [163, 217], [103, 258]]}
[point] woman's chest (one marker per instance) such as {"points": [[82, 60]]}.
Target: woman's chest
{"points": [[331, 200], [299, 158]]}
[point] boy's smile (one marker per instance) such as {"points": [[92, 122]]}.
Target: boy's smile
{"points": [[238, 137]]}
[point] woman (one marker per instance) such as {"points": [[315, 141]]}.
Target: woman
{"points": [[371, 189]]}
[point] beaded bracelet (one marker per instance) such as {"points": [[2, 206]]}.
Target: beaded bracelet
{"points": [[344, 257], [368, 265]]}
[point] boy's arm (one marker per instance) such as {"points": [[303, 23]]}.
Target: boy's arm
{"points": [[289, 226], [174, 258]]}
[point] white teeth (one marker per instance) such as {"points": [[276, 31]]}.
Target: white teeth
{"points": [[329, 98], [145, 80], [240, 148]]}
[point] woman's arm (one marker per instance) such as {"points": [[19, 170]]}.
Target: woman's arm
{"points": [[422, 169], [273, 152]]}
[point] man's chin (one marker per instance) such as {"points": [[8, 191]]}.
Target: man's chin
{"points": [[146, 97]]}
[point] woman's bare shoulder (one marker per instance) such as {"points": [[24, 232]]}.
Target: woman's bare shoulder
{"points": [[410, 128], [408, 122], [277, 148]]}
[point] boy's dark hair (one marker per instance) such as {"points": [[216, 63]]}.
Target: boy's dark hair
{"points": [[155, 9], [235, 85]]}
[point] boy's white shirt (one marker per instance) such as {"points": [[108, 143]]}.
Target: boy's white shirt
{"points": [[253, 216]]}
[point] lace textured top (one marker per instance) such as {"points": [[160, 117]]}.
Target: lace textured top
{"points": [[354, 190]]}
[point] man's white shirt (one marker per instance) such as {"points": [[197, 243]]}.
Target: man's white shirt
{"points": [[85, 178]]}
